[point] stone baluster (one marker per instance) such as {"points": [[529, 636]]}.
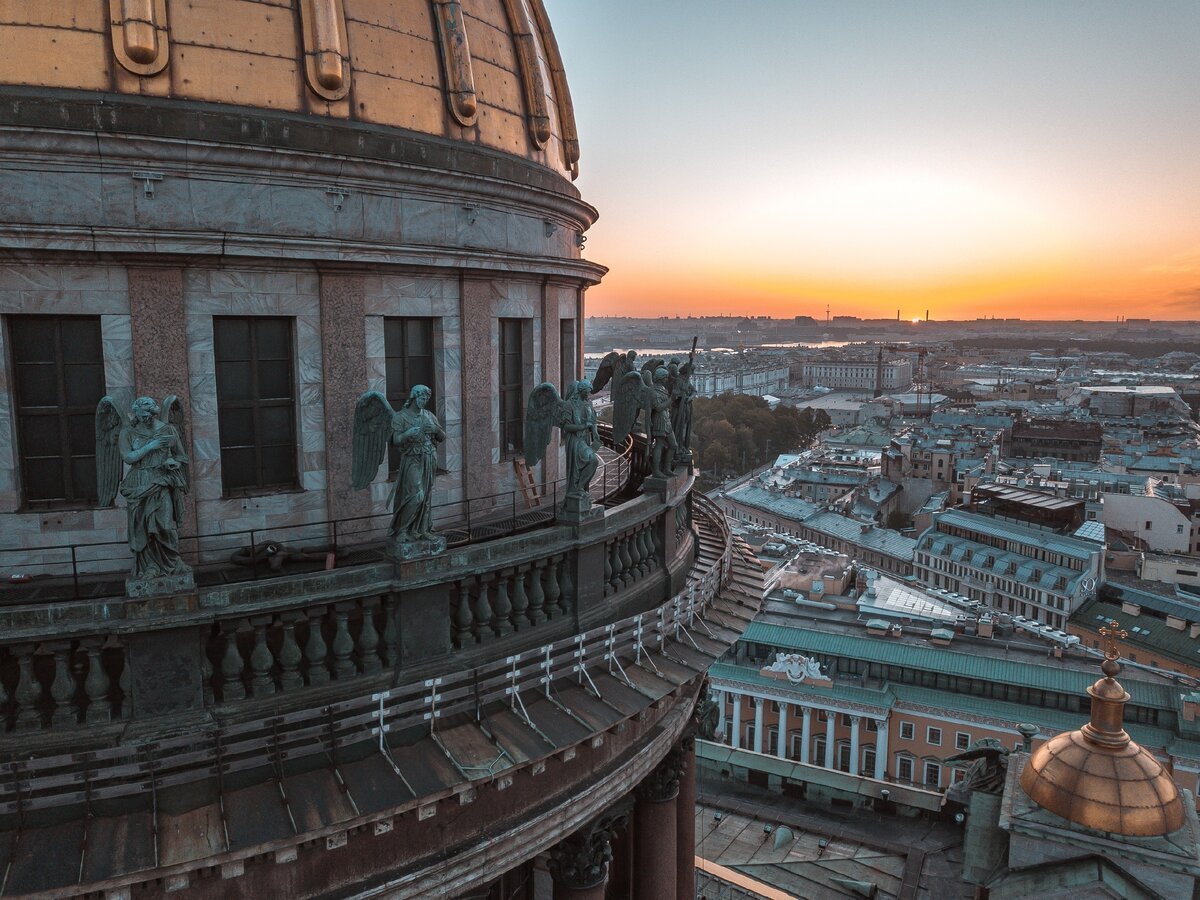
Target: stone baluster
{"points": [[483, 611], [232, 666], [502, 606], [125, 683], [368, 639], [463, 618], [614, 553], [96, 684], [391, 631], [567, 601], [63, 689], [262, 661], [342, 644], [608, 570], [635, 556], [626, 561], [315, 650], [537, 596], [520, 599], [206, 673], [649, 555], [289, 654], [552, 589], [29, 690]]}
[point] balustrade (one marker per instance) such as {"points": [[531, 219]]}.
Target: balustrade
{"points": [[64, 684], [631, 556], [493, 605]]}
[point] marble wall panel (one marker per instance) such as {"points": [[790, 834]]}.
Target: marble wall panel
{"points": [[345, 352]]}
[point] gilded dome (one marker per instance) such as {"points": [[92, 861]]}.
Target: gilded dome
{"points": [[486, 72], [1099, 778]]}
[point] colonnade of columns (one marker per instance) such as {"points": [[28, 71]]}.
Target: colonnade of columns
{"points": [[806, 733], [643, 847]]}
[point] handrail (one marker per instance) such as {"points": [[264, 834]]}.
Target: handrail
{"points": [[44, 782], [97, 569]]}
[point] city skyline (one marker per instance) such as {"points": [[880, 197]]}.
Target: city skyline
{"points": [[1015, 160]]}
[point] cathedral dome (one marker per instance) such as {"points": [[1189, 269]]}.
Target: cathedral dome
{"points": [[1099, 778], [483, 72]]}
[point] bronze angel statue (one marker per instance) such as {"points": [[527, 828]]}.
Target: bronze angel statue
{"points": [[647, 391], [612, 369], [415, 431], [575, 418], [153, 487]]}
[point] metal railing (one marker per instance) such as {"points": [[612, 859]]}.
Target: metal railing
{"points": [[128, 770], [98, 569]]}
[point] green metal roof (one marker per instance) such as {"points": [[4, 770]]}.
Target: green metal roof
{"points": [[1153, 640], [888, 651]]}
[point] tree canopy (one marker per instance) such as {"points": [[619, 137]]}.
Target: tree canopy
{"points": [[734, 433]]}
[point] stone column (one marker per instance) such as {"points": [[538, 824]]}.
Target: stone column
{"points": [[685, 821], [781, 740], [579, 863], [158, 326], [736, 741], [719, 696], [805, 733], [620, 870], [344, 378], [830, 724], [881, 750], [655, 857], [854, 722], [759, 704]]}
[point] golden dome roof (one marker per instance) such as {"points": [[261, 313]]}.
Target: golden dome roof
{"points": [[487, 72], [1099, 778]]}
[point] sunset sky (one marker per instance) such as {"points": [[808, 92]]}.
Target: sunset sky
{"points": [[1039, 159]]}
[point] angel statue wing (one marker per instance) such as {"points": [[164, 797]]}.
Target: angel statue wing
{"points": [[653, 365], [172, 413], [108, 453], [541, 414], [628, 397], [372, 431], [610, 366]]}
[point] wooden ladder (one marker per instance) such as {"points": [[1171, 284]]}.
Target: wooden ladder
{"points": [[528, 485]]}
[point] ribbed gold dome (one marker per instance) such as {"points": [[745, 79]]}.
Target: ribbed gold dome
{"points": [[486, 72], [1099, 778]]}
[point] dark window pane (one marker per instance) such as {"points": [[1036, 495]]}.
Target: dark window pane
{"points": [[81, 431], [35, 339], [231, 338], [81, 384], [279, 465], [420, 337], [44, 479], [81, 340], [235, 382], [276, 424], [40, 436], [37, 385], [274, 338], [236, 427], [83, 476], [238, 469], [274, 380]]}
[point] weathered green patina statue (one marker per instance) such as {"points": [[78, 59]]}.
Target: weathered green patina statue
{"points": [[415, 431], [574, 416], [153, 487]]}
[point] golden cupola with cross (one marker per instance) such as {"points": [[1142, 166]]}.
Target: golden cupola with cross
{"points": [[1096, 776]]}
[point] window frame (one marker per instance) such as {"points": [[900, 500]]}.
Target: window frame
{"points": [[908, 731], [567, 372], [256, 405], [929, 730], [62, 412], [408, 379], [511, 436]]}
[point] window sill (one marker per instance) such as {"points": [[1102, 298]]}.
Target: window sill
{"points": [[256, 493]]}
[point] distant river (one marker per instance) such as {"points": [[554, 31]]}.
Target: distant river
{"points": [[650, 352]]}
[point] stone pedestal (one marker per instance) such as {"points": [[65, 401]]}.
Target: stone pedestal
{"points": [[183, 583], [406, 550], [578, 508], [668, 487]]}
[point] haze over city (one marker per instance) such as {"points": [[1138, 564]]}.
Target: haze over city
{"points": [[1016, 159]]}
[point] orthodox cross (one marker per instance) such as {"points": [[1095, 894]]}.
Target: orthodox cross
{"points": [[1112, 633]]}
